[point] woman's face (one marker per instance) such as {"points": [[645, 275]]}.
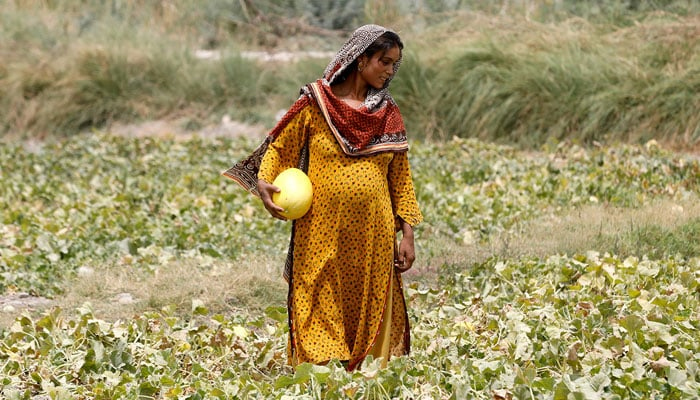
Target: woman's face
{"points": [[379, 68]]}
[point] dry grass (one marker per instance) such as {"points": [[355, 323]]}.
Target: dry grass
{"points": [[595, 227], [599, 228], [222, 287], [120, 292]]}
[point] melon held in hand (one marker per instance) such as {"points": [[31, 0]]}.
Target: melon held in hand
{"points": [[295, 193]]}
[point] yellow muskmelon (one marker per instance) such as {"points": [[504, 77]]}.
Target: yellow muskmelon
{"points": [[295, 193]]}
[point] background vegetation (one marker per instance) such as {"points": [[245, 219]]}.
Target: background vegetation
{"points": [[509, 71], [558, 258]]}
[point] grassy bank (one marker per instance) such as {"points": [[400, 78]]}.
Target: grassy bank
{"points": [[497, 77]]}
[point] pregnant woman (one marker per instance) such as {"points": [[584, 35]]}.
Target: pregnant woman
{"points": [[346, 297]]}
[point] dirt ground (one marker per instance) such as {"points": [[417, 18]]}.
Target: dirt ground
{"points": [[174, 129]]}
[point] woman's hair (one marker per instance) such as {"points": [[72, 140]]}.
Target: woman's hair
{"points": [[384, 43], [387, 41]]}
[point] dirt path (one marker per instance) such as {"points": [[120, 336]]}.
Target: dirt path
{"points": [[174, 129], [10, 303]]}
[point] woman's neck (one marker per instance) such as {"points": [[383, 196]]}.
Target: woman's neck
{"points": [[352, 90]]}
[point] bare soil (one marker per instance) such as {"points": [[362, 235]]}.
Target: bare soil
{"points": [[175, 129]]}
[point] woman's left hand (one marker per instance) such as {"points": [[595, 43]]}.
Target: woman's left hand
{"points": [[406, 252]]}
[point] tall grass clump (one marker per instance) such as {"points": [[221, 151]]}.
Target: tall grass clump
{"points": [[529, 83], [415, 88], [94, 86], [66, 84]]}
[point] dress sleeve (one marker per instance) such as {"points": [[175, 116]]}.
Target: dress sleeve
{"points": [[284, 151], [403, 196]]}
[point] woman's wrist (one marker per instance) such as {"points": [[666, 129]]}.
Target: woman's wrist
{"points": [[406, 229]]}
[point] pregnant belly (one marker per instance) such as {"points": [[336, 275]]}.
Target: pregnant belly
{"points": [[355, 191]]}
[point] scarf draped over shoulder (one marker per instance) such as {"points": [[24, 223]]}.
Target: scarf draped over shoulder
{"points": [[375, 126]]}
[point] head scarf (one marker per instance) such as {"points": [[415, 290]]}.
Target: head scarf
{"points": [[360, 40], [374, 127]]}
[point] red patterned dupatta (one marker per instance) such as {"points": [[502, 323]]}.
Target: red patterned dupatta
{"points": [[374, 127], [361, 131]]}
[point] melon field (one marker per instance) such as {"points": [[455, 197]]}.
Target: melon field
{"points": [[554, 147], [570, 273]]}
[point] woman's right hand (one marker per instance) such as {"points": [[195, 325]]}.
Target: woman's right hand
{"points": [[266, 190]]}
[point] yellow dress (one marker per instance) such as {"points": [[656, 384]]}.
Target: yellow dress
{"points": [[343, 270]]}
